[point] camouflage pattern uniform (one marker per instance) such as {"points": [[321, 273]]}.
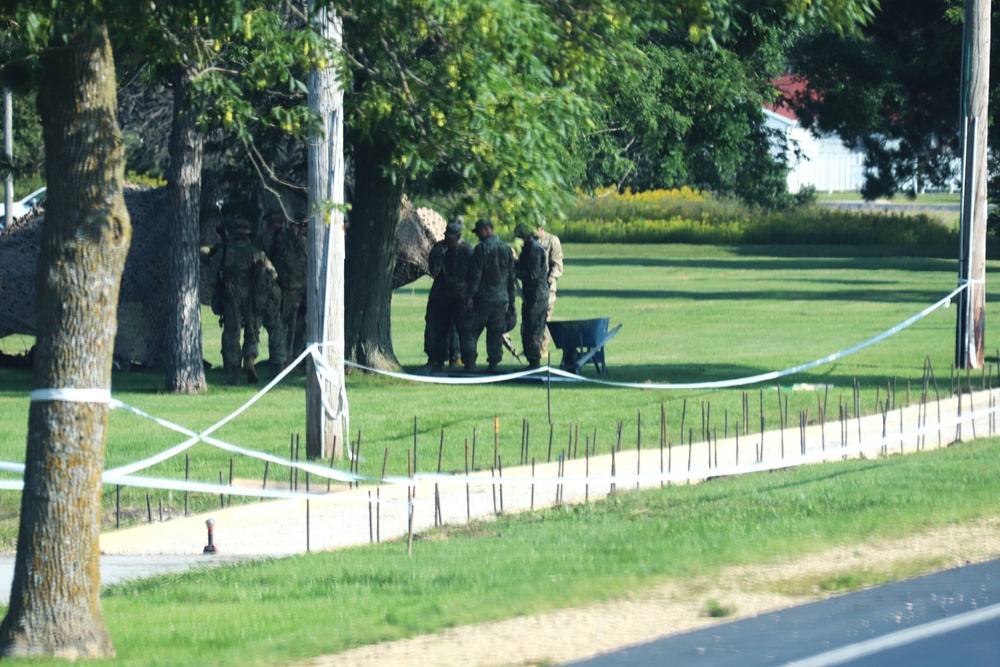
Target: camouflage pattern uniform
{"points": [[287, 251], [554, 257], [532, 270], [491, 290], [239, 264], [446, 302]]}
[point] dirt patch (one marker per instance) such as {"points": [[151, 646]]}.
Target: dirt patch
{"points": [[676, 607]]}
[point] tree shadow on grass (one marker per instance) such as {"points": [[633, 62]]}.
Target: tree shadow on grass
{"points": [[769, 262], [919, 297], [782, 483], [817, 379]]}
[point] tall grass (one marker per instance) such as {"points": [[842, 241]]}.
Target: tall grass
{"points": [[686, 216]]}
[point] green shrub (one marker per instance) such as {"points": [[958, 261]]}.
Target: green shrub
{"points": [[145, 179]]}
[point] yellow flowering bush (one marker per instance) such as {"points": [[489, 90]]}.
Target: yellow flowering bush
{"points": [[691, 216]]}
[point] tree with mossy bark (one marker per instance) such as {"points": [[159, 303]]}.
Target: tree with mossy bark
{"points": [[55, 605]]}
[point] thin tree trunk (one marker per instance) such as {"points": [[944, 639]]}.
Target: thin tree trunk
{"points": [[183, 353], [55, 607], [325, 282], [371, 259], [8, 152]]}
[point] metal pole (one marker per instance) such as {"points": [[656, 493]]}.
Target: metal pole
{"points": [[974, 114], [8, 151]]}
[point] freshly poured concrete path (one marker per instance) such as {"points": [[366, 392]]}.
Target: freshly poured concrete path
{"points": [[279, 528]]}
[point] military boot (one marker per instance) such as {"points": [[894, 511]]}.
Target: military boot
{"points": [[251, 371], [234, 374]]}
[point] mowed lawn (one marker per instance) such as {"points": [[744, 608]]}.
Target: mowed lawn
{"points": [[690, 313]]}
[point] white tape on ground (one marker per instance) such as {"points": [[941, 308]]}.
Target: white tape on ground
{"points": [[222, 489], [322, 471], [122, 473], [194, 437], [832, 452], [720, 384]]}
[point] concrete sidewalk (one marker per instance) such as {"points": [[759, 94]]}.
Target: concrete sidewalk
{"points": [[348, 518], [115, 569]]}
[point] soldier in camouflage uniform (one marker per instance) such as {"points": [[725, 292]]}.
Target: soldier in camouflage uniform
{"points": [[285, 247], [243, 268], [532, 270], [554, 256], [489, 294], [449, 265]]}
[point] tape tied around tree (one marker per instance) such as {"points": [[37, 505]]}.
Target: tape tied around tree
{"points": [[70, 395]]}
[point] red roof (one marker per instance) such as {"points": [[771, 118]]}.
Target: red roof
{"points": [[790, 87]]}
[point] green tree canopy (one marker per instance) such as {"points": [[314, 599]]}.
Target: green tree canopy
{"points": [[892, 91]]}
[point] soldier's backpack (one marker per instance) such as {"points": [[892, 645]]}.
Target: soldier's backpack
{"points": [[266, 292], [288, 254]]}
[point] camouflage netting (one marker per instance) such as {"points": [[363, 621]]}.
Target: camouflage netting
{"points": [[419, 229], [142, 302]]}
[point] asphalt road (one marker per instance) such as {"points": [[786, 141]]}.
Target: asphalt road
{"points": [[948, 618]]}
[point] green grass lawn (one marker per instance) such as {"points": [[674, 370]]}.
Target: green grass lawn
{"points": [[925, 198], [273, 612], [690, 313]]}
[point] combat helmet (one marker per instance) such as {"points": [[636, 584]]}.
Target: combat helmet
{"points": [[238, 227]]}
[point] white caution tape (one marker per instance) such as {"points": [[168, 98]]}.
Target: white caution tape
{"points": [[832, 452], [222, 489], [70, 395], [123, 474], [720, 384], [204, 436], [472, 379], [218, 489], [321, 471]]}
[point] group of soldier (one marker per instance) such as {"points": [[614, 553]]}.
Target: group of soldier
{"points": [[474, 289], [259, 281]]}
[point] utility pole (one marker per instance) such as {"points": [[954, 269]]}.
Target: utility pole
{"points": [[8, 151], [326, 402], [971, 324]]}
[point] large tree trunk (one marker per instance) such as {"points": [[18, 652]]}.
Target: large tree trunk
{"points": [[55, 605], [371, 258], [183, 356]]}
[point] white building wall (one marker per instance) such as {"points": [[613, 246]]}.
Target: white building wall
{"points": [[821, 162]]}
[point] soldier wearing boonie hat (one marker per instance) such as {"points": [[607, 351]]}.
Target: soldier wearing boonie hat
{"points": [[448, 265], [554, 258]]}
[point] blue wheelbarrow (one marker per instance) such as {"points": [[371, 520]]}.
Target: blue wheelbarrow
{"points": [[582, 342]]}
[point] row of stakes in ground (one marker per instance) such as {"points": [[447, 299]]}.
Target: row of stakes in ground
{"points": [[210, 548]]}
